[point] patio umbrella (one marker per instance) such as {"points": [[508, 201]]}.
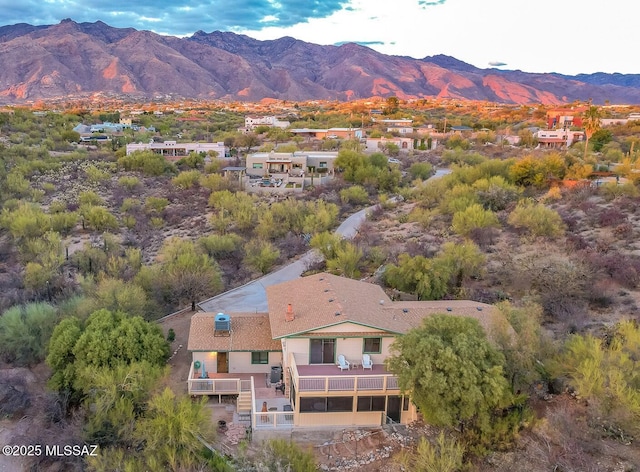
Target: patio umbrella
{"points": [[203, 375]]}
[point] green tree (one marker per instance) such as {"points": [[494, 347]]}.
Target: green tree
{"points": [[392, 105], [105, 339], [188, 274], [421, 170], [25, 331], [473, 217], [186, 179], [519, 336], [347, 260], [537, 219], [591, 124], [462, 260], [260, 255], [355, 194], [606, 372], [453, 373], [427, 278], [99, 218], [171, 431]]}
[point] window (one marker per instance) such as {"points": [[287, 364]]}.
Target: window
{"points": [[322, 165], [257, 165], [260, 357], [371, 403], [322, 351], [372, 346], [325, 404]]}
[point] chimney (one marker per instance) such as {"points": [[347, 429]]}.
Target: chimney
{"points": [[289, 316]]}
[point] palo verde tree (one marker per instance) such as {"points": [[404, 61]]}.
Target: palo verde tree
{"points": [[453, 373], [105, 339]]}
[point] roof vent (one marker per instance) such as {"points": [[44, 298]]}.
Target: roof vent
{"points": [[381, 302], [326, 290], [405, 310], [330, 300], [338, 313], [479, 308], [449, 308]]}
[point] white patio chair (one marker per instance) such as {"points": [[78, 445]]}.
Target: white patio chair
{"points": [[343, 363], [367, 363]]}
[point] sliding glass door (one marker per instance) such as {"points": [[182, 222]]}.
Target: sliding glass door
{"points": [[323, 351]]}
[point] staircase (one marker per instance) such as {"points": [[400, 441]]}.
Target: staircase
{"points": [[243, 405]]}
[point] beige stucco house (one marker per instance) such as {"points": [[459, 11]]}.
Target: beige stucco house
{"points": [[312, 324]]}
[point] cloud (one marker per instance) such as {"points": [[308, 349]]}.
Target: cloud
{"points": [[361, 43], [497, 64], [178, 17], [430, 3]]}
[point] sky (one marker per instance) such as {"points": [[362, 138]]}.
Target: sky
{"points": [[564, 36]]}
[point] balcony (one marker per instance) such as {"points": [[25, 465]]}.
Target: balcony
{"points": [[218, 384], [324, 378]]}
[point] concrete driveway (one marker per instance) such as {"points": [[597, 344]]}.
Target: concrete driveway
{"points": [[252, 296]]}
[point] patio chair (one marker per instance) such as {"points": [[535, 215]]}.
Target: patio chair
{"points": [[343, 363], [367, 363]]}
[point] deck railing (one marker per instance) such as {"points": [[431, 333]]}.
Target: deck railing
{"points": [[341, 383]]}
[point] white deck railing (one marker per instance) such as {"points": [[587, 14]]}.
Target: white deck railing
{"points": [[341, 383]]}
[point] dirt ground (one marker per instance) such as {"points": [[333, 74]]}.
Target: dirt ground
{"points": [[180, 360]]}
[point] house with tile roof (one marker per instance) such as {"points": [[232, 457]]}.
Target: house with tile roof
{"points": [[312, 323]]}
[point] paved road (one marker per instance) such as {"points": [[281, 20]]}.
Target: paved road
{"points": [[252, 297]]}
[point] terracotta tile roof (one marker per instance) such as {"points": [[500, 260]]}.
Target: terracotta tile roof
{"points": [[249, 332], [324, 300]]}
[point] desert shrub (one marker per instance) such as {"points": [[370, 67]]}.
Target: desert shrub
{"points": [[213, 182], [63, 223], [611, 217], [128, 182], [129, 204], [536, 220], [421, 170], [96, 175], [187, 179], [25, 331], [473, 217], [155, 204], [613, 190], [355, 194], [446, 454], [260, 255], [89, 198], [99, 218], [220, 246], [48, 187]]}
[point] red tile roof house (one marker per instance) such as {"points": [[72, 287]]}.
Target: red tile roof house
{"points": [[311, 322]]}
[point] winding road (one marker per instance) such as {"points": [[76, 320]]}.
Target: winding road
{"points": [[252, 296]]}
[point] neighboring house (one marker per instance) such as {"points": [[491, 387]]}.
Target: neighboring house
{"points": [[461, 130], [558, 138], [313, 323], [261, 164], [564, 117], [330, 133], [378, 144], [173, 150], [252, 122], [399, 123], [400, 129]]}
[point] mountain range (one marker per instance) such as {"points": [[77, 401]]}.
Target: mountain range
{"points": [[72, 59]]}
